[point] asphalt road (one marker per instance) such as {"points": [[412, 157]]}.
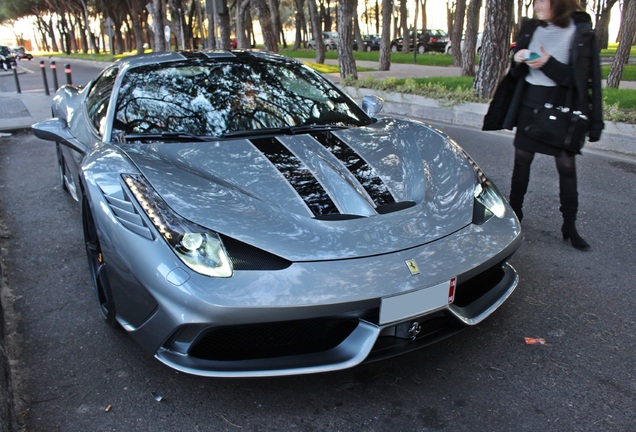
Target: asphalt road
{"points": [[76, 374]]}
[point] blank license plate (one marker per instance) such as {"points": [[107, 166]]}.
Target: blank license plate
{"points": [[403, 306]]}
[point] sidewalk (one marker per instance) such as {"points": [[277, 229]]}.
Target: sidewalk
{"points": [[20, 111]]}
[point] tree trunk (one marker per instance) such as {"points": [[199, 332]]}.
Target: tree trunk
{"points": [[51, 31], [603, 15], [494, 59], [299, 21], [357, 34], [406, 42], [346, 9], [274, 7], [82, 34], [172, 10], [377, 17], [156, 10], [470, 39], [267, 26], [224, 27], [424, 16], [242, 39], [316, 31], [385, 43], [139, 33], [627, 33], [458, 30]]}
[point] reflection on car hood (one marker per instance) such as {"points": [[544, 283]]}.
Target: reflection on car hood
{"points": [[338, 194]]}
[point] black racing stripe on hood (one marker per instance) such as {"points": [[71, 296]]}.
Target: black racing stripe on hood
{"points": [[298, 175], [361, 170]]}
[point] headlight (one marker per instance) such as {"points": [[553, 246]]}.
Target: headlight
{"points": [[486, 194], [200, 249], [488, 197]]}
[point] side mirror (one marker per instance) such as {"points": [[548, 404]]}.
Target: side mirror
{"points": [[56, 129], [372, 105]]}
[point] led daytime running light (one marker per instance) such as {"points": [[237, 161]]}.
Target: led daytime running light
{"points": [[154, 210], [198, 248]]}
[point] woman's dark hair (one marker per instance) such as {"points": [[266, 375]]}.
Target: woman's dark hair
{"points": [[562, 10]]}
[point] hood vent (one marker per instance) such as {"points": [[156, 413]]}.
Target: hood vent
{"points": [[298, 175], [361, 170], [312, 191]]}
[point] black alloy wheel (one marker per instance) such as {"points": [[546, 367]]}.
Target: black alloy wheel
{"points": [[61, 168], [97, 266]]}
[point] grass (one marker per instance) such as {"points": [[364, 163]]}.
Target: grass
{"points": [[428, 59], [611, 50]]}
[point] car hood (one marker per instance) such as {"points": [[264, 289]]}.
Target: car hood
{"points": [[340, 194]]}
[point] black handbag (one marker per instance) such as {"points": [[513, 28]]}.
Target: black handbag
{"points": [[559, 127]]}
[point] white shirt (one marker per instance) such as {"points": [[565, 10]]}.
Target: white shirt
{"points": [[557, 42]]}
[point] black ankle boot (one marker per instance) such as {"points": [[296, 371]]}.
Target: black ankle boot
{"points": [[516, 207], [570, 233]]}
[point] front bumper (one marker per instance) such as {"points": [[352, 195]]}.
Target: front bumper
{"points": [[333, 343]]}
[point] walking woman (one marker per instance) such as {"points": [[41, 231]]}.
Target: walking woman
{"points": [[556, 61]]}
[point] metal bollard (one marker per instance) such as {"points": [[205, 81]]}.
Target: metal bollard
{"points": [[54, 73], [46, 83], [67, 71], [15, 76]]}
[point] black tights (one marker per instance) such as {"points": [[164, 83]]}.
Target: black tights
{"points": [[566, 167]]}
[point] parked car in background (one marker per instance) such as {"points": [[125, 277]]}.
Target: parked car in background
{"points": [[427, 40], [21, 54], [244, 217], [449, 44], [371, 42], [7, 57], [330, 40]]}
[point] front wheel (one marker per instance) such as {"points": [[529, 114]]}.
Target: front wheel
{"points": [[61, 168], [97, 267]]}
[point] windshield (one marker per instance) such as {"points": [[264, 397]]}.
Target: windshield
{"points": [[216, 98]]}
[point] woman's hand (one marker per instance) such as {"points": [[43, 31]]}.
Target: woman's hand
{"points": [[538, 62], [521, 55], [525, 56]]}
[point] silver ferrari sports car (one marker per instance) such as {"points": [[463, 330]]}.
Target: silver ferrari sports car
{"points": [[244, 217]]}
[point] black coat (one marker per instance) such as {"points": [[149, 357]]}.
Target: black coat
{"points": [[582, 77]]}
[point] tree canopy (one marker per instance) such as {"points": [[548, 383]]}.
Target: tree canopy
{"points": [[122, 26]]}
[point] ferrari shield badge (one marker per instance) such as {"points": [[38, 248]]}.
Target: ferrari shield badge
{"points": [[413, 268]]}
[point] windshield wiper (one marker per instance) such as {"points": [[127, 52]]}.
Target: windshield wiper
{"points": [[166, 136]]}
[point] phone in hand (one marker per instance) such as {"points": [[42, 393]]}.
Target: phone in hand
{"points": [[532, 56]]}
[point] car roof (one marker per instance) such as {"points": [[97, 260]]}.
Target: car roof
{"points": [[179, 56]]}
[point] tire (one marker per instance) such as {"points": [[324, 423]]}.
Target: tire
{"points": [[97, 267], [61, 168]]}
